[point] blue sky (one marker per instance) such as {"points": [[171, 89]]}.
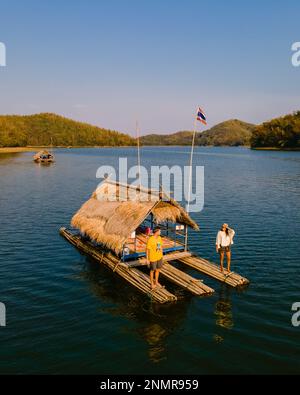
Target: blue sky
{"points": [[110, 62]]}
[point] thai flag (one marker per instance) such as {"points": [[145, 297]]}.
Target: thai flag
{"points": [[201, 116]]}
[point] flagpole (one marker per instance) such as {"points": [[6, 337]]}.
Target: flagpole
{"points": [[138, 148], [191, 164], [190, 182]]}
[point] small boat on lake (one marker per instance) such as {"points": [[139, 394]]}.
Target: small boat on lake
{"points": [[43, 157], [113, 227]]}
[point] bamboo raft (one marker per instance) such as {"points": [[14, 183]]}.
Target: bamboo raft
{"points": [[116, 222], [202, 265], [136, 277], [212, 270]]}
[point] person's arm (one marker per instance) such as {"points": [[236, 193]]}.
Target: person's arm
{"points": [[148, 256], [231, 234], [148, 253]]}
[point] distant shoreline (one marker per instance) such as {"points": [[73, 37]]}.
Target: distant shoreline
{"points": [[11, 150], [274, 149]]}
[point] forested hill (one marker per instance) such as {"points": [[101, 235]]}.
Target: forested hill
{"points": [[37, 130], [231, 133], [179, 138], [281, 133]]}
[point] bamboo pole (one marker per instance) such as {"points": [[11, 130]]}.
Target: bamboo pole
{"points": [[184, 280], [233, 275], [166, 258], [191, 166], [212, 270], [138, 153]]}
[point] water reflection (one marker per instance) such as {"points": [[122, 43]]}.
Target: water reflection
{"points": [[155, 322], [8, 156], [223, 312]]}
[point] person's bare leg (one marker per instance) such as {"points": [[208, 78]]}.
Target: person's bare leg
{"points": [[152, 279], [156, 278], [221, 260], [228, 257]]}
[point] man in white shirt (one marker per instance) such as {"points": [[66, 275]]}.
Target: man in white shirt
{"points": [[224, 242]]}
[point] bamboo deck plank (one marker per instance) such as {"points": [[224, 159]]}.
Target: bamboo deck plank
{"points": [[184, 280], [166, 258], [212, 270], [134, 276]]}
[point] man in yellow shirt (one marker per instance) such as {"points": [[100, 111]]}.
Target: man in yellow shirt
{"points": [[155, 257]]}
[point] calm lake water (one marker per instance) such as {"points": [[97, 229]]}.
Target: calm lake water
{"points": [[67, 314]]}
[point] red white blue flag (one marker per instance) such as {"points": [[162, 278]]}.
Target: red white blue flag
{"points": [[201, 116]]}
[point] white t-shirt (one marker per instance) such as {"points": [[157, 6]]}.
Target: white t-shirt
{"points": [[223, 239]]}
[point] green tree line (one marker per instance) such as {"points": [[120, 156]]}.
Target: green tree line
{"points": [[44, 129], [282, 133], [229, 133]]}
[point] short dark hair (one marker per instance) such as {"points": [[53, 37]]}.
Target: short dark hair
{"points": [[156, 229]]}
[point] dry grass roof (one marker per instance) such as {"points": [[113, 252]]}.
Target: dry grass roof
{"points": [[115, 210], [40, 153]]}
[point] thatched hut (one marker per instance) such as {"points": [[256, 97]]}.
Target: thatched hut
{"points": [[115, 211], [43, 156]]}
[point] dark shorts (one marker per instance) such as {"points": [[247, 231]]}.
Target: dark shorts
{"points": [[156, 265], [225, 249]]}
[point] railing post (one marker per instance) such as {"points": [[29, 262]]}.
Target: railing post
{"points": [[186, 238]]}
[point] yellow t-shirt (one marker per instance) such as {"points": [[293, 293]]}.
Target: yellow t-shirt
{"points": [[154, 245]]}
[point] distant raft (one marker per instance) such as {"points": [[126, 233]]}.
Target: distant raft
{"points": [[43, 157]]}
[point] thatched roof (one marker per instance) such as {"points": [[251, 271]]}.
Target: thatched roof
{"points": [[115, 210], [41, 153]]}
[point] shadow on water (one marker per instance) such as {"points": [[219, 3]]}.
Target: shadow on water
{"points": [[156, 322]]}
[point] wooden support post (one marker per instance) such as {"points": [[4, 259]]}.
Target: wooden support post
{"points": [[175, 236], [123, 255], [186, 238]]}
